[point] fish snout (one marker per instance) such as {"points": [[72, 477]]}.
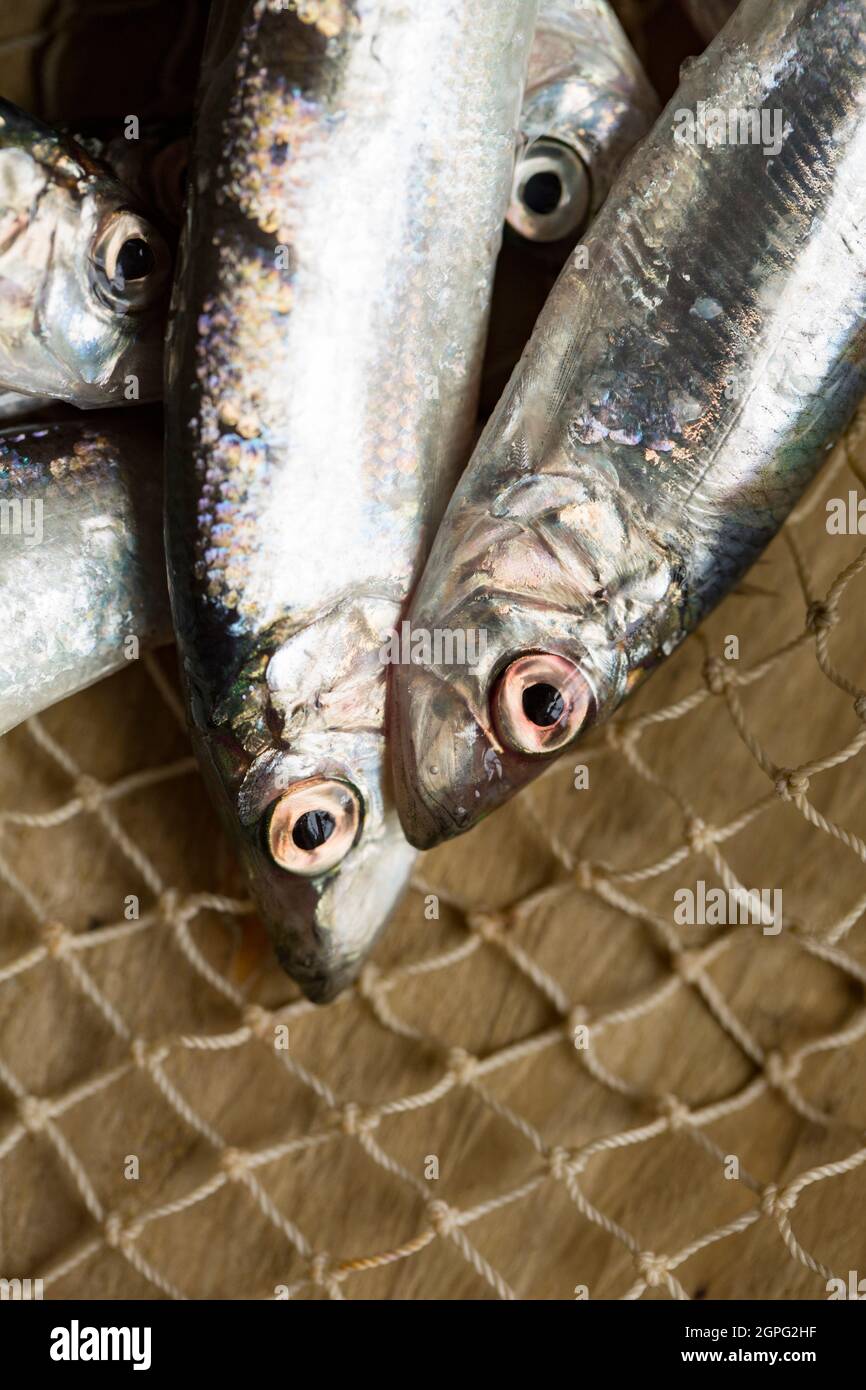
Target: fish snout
{"points": [[453, 766], [324, 918], [444, 758]]}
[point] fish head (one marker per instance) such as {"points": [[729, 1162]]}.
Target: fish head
{"points": [[300, 751], [540, 592], [84, 275]]}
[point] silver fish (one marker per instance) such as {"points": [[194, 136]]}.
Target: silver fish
{"points": [[82, 573], [83, 275], [351, 169], [676, 398], [709, 16], [587, 103]]}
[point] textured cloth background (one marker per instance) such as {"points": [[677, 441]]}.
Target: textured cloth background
{"points": [[612, 1103]]}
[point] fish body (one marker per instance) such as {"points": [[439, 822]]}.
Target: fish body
{"points": [[681, 389], [82, 573], [83, 274], [587, 103], [350, 174]]}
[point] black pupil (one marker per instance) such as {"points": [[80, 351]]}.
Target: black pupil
{"points": [[312, 829], [135, 260], [543, 705], [542, 192]]}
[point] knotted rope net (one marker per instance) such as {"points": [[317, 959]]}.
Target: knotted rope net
{"points": [[543, 1085]]}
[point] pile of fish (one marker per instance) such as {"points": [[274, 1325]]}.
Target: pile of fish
{"points": [[384, 632]]}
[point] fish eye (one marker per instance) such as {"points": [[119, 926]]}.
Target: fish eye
{"points": [[131, 261], [313, 825], [550, 195], [540, 702]]}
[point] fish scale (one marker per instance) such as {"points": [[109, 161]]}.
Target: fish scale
{"points": [[682, 389], [350, 174]]}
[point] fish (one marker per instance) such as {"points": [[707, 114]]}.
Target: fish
{"points": [[587, 103], [683, 385], [350, 172], [709, 16], [82, 570], [84, 275]]}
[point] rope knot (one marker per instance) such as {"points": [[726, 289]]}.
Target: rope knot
{"points": [[89, 791], [717, 675], [320, 1272], [148, 1052], [790, 783], [34, 1113], [443, 1218], [780, 1069], [370, 981], [820, 617], [234, 1163], [462, 1065], [654, 1268], [699, 836], [678, 1114], [57, 938], [577, 1017], [117, 1234], [559, 1158], [585, 875], [168, 906], [258, 1020], [620, 738], [353, 1120], [488, 925], [687, 964], [776, 1203]]}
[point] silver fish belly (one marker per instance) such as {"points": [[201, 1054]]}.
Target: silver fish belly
{"points": [[351, 170], [84, 275], [587, 103], [679, 393], [82, 573]]}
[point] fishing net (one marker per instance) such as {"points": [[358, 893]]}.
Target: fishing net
{"points": [[542, 1085]]}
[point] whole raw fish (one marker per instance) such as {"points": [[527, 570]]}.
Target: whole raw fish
{"points": [[680, 391], [83, 275], [82, 573], [351, 170], [587, 103]]}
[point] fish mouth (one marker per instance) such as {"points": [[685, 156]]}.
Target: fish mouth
{"points": [[448, 768], [319, 986], [323, 929]]}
